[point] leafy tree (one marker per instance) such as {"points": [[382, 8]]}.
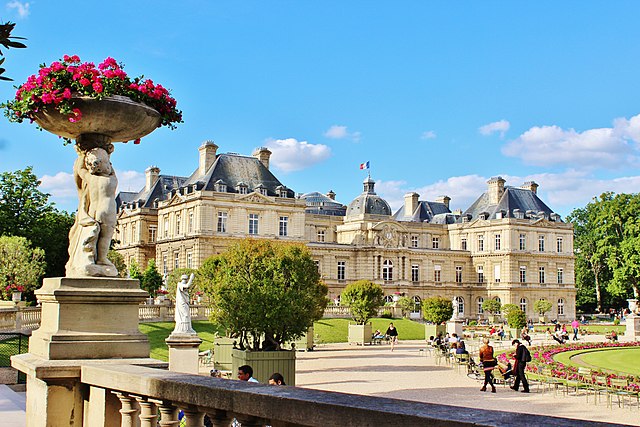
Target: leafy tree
{"points": [[363, 298], [542, 306], [151, 278], [516, 318], [491, 306], [118, 260], [508, 308], [20, 264], [265, 293], [8, 41], [406, 305], [134, 270], [52, 235], [437, 309], [176, 276]]}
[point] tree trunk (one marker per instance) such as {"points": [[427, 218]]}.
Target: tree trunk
{"points": [[596, 272]]}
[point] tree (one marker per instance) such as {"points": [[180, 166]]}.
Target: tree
{"points": [[20, 264], [491, 306], [176, 275], [508, 308], [363, 298], [542, 306], [437, 309], [151, 278], [8, 41], [517, 318], [118, 260], [265, 293], [134, 270], [406, 305]]}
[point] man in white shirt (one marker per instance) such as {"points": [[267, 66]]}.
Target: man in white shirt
{"points": [[245, 373]]}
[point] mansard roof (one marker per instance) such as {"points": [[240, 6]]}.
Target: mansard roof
{"points": [[159, 190], [318, 203], [513, 201], [425, 212], [234, 169]]}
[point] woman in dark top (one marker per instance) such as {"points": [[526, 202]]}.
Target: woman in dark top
{"points": [[392, 333]]}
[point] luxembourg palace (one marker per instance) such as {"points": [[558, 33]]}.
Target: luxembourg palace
{"points": [[507, 245]]}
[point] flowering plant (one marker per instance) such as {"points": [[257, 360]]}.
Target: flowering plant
{"points": [[56, 86], [162, 292], [14, 287]]}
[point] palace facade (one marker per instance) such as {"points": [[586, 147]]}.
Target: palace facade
{"points": [[507, 245]]}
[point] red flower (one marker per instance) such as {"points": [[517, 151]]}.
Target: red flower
{"points": [[76, 115]]}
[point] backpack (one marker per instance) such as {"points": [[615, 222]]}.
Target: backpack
{"points": [[526, 355]]}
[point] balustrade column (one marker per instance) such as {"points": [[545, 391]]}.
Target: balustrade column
{"points": [[168, 415], [219, 418], [129, 410], [148, 412], [250, 421], [194, 418]]}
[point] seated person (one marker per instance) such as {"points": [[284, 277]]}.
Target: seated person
{"points": [[501, 332], [460, 348], [492, 331], [614, 336], [506, 371], [525, 335], [377, 335], [558, 337]]}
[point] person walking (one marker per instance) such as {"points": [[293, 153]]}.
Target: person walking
{"points": [[488, 364], [522, 357], [392, 333], [575, 325]]}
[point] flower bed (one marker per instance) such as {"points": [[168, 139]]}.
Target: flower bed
{"points": [[544, 358]]}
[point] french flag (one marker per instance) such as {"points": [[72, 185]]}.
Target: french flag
{"points": [[364, 165]]}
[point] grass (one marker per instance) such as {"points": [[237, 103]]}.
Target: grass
{"points": [[592, 329], [336, 330], [626, 360], [158, 332]]}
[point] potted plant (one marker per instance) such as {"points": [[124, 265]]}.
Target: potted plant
{"points": [[517, 319], [161, 294], [491, 306], [542, 307], [363, 298], [264, 294], [16, 292], [436, 311]]}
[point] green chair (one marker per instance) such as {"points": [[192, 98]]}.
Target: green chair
{"points": [[619, 388]]}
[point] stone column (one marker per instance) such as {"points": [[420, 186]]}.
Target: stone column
{"points": [[633, 326], [183, 353]]}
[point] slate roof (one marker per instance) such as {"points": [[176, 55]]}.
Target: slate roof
{"points": [[512, 199], [159, 190], [368, 202], [318, 203], [235, 168], [425, 212]]}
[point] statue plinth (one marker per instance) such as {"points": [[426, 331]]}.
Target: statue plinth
{"points": [[89, 318]]}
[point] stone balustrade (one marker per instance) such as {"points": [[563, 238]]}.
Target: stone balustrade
{"points": [[141, 393]]}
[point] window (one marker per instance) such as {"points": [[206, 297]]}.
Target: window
{"points": [[320, 235], [178, 224], [124, 234], [417, 302], [541, 243], [176, 260], [541, 274], [263, 191], [342, 267], [463, 244], [523, 304], [559, 244], [152, 233], [242, 189], [560, 276], [253, 224], [134, 237], [190, 226], [458, 274], [282, 230], [481, 243], [497, 242], [317, 264], [523, 242], [165, 267], [415, 273], [388, 299], [500, 301], [459, 301], [435, 243], [414, 241], [189, 260], [496, 273], [560, 307], [480, 274], [166, 226], [222, 222], [437, 273], [387, 270], [480, 301], [523, 274]]}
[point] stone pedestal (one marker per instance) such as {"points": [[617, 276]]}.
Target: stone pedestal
{"points": [[183, 353], [89, 318], [632, 326], [455, 326]]}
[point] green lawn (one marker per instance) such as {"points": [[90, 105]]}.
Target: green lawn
{"points": [[623, 360], [336, 330], [593, 329], [158, 332]]}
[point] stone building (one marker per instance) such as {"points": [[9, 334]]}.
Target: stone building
{"points": [[508, 244]]}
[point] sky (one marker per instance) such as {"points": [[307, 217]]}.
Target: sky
{"points": [[437, 96]]}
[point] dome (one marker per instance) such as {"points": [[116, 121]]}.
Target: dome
{"points": [[318, 203], [368, 202]]}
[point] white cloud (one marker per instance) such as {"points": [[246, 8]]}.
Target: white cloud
{"points": [[428, 135], [130, 180], [290, 154], [501, 126], [611, 148], [21, 7], [341, 132]]}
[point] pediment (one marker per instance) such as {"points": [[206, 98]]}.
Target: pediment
{"points": [[390, 225], [174, 200], [255, 198]]}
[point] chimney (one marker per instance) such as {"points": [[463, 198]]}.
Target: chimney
{"points": [[444, 200], [207, 151], [151, 173], [331, 195], [496, 189], [531, 186], [410, 203], [263, 154]]}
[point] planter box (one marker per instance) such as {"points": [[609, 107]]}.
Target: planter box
{"points": [[542, 319], [360, 334], [515, 333], [434, 330], [305, 342], [265, 363], [222, 347]]}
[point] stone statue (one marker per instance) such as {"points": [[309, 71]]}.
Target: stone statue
{"points": [[183, 314], [91, 234], [455, 309]]}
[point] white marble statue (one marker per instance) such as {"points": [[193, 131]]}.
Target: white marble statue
{"points": [[91, 234], [183, 314], [456, 314]]}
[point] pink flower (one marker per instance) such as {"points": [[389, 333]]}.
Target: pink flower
{"points": [[76, 115], [97, 86], [84, 81], [137, 141]]}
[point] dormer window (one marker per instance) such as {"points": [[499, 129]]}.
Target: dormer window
{"points": [[242, 188], [484, 215], [261, 189], [220, 186], [518, 214], [281, 191]]}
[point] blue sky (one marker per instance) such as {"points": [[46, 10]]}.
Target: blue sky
{"points": [[438, 96]]}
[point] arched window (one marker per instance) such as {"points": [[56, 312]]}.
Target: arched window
{"points": [[480, 301], [523, 304], [459, 301], [500, 301], [417, 303], [560, 306], [387, 270], [388, 299]]}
